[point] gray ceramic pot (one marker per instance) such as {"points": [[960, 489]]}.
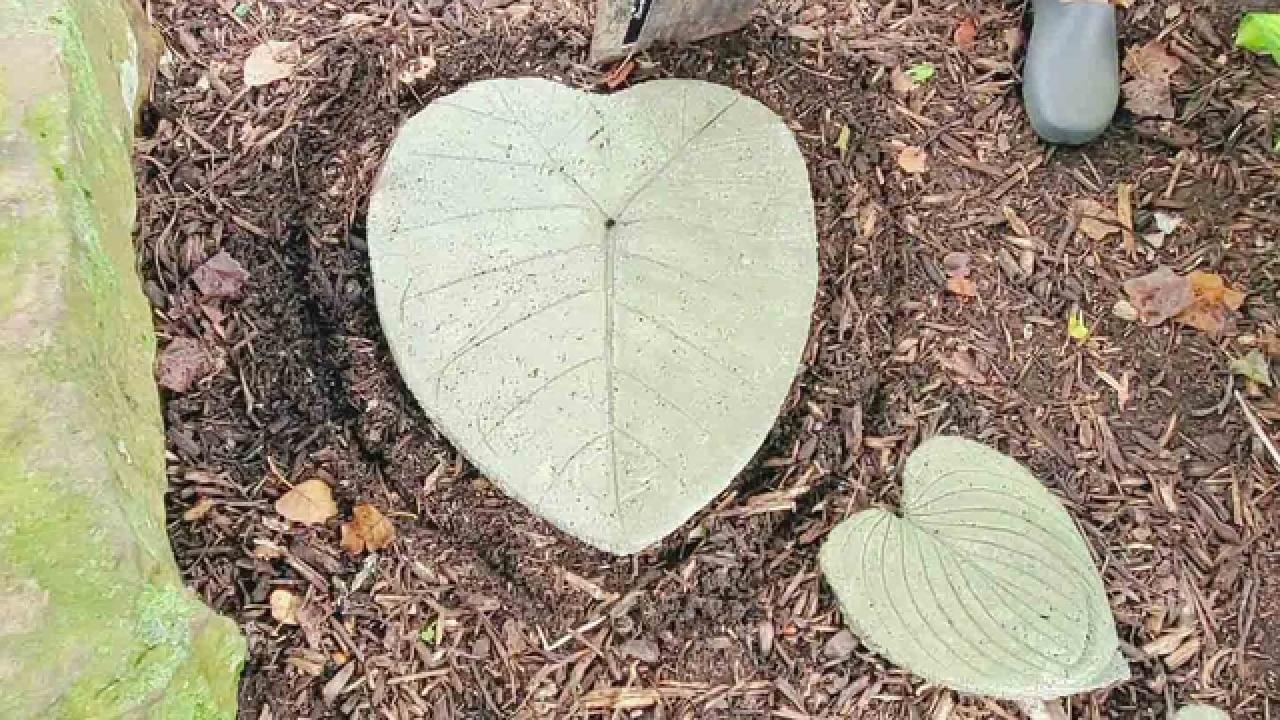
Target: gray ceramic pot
{"points": [[1071, 82]]}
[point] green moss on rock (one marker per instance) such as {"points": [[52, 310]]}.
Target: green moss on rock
{"points": [[94, 621]]}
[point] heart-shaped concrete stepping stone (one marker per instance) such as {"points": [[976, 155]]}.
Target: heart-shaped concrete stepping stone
{"points": [[601, 300], [980, 583]]}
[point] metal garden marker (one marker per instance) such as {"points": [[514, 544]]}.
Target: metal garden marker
{"points": [[626, 26]]}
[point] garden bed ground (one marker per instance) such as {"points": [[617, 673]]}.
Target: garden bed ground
{"points": [[1136, 430]]}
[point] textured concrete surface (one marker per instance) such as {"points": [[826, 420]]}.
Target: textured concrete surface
{"points": [[601, 300], [980, 582]]}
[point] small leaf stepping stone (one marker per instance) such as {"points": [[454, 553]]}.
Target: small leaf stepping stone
{"points": [[980, 582]]}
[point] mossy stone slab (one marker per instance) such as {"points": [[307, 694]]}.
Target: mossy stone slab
{"points": [[94, 620]]}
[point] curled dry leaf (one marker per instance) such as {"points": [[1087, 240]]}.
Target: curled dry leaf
{"points": [[1213, 306], [962, 286], [914, 160], [1095, 220], [966, 32], [284, 606], [900, 82], [1159, 295], [308, 503], [368, 530], [807, 33], [418, 69], [956, 265], [618, 76], [199, 510], [271, 61], [1148, 93], [183, 363], [220, 276]]}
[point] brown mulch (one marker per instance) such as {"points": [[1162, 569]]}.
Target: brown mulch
{"points": [[481, 610]]}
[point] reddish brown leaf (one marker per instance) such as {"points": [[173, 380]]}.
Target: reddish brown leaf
{"points": [[1214, 304], [966, 32], [183, 363], [617, 77], [1159, 295], [220, 276], [1147, 93], [368, 530]]}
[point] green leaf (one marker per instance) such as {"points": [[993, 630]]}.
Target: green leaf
{"points": [[1254, 366], [241, 10], [430, 633], [1076, 326], [922, 73], [1260, 33], [842, 142], [979, 582], [602, 300]]}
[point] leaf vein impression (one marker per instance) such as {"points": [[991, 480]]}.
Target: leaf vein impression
{"points": [[471, 345], [419, 294], [681, 338]]}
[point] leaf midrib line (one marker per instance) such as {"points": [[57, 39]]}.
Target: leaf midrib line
{"points": [[610, 255]]}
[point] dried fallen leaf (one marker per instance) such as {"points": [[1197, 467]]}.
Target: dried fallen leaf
{"points": [[913, 160], [220, 276], [1213, 305], [199, 510], [1094, 220], [804, 32], [1125, 310], [1016, 224], [1148, 93], [617, 77], [1254, 366], [368, 530], [900, 82], [1124, 213], [284, 606], [1159, 295], [966, 32], [308, 502], [338, 683], [271, 61], [962, 286], [1270, 343], [354, 20], [418, 69], [183, 363]]}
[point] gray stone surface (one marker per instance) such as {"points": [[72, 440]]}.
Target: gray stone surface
{"points": [[630, 26], [1071, 80], [980, 582], [601, 300]]}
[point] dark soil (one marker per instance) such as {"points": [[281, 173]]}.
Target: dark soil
{"points": [[481, 610]]}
